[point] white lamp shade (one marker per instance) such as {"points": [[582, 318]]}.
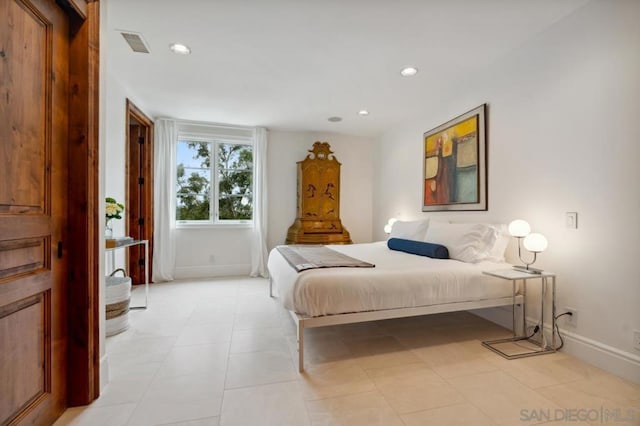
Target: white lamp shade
{"points": [[519, 228], [535, 243], [389, 225]]}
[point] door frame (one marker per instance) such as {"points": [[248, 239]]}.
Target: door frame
{"points": [[135, 113], [85, 211]]}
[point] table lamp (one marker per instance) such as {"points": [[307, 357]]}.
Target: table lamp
{"points": [[389, 225], [533, 242]]}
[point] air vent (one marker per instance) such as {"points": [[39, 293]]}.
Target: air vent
{"points": [[135, 41]]}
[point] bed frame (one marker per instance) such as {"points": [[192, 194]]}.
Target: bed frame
{"points": [[302, 322]]}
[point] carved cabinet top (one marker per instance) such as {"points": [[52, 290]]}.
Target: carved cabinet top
{"points": [[320, 151]]}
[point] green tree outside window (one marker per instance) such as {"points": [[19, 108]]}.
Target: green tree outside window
{"points": [[195, 180]]}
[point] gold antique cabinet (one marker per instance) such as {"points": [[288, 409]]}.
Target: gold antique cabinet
{"points": [[318, 208]]}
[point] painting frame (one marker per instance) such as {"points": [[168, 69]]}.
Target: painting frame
{"points": [[454, 164]]}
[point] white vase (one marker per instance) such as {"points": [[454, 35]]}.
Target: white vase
{"points": [[108, 230]]}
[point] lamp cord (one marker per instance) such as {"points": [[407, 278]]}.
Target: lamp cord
{"points": [[557, 331], [534, 332]]}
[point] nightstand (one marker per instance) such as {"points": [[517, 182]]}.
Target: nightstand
{"points": [[523, 346]]}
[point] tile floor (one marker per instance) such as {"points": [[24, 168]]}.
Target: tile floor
{"points": [[221, 352]]}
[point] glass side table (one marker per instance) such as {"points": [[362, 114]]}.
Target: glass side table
{"points": [[523, 345]]}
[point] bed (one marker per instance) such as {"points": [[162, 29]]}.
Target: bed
{"points": [[400, 285]]}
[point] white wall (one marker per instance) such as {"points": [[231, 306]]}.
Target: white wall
{"points": [[206, 252], [212, 252], [563, 134], [115, 145]]}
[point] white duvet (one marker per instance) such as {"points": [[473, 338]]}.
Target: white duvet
{"points": [[399, 280]]}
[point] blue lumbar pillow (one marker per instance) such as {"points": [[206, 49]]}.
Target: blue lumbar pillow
{"points": [[420, 248]]}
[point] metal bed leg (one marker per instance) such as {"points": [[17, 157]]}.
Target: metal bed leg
{"points": [[513, 308], [300, 339], [300, 346], [553, 312], [543, 295], [524, 307]]}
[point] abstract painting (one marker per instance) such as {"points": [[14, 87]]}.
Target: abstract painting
{"points": [[455, 156]]}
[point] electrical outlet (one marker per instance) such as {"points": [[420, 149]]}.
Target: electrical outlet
{"points": [[636, 340], [571, 320], [571, 219]]}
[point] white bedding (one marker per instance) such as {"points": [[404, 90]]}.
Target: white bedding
{"points": [[399, 280]]}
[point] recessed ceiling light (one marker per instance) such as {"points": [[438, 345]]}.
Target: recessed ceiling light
{"points": [[334, 119], [180, 48], [409, 71], [363, 112]]}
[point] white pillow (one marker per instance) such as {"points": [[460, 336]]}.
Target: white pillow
{"points": [[467, 242], [502, 238], [409, 230]]}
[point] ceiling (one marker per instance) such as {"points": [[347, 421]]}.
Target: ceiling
{"points": [[291, 64]]}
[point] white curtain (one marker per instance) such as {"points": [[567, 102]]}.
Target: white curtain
{"points": [[164, 238], [259, 235]]}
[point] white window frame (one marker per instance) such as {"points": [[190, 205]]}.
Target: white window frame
{"points": [[214, 221]]}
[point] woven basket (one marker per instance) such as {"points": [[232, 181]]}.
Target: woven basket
{"points": [[118, 296]]}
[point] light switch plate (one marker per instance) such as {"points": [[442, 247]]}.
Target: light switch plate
{"points": [[571, 220]]}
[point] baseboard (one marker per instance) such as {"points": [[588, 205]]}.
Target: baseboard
{"points": [[613, 360], [104, 372], [209, 271]]}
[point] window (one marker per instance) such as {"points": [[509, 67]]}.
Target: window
{"points": [[214, 182]]}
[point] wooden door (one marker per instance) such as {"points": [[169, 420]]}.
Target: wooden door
{"points": [[139, 199], [34, 72]]}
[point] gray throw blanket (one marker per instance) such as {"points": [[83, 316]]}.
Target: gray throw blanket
{"points": [[303, 257]]}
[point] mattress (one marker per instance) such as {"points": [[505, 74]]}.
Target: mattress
{"points": [[399, 280]]}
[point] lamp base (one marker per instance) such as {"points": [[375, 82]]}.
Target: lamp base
{"points": [[527, 270]]}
